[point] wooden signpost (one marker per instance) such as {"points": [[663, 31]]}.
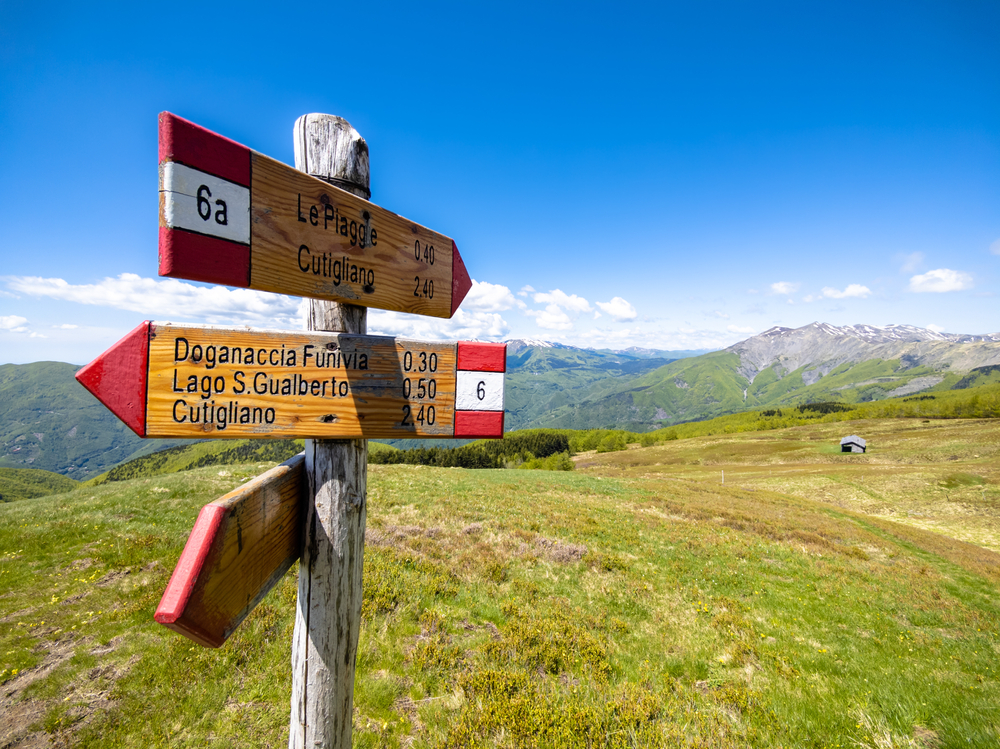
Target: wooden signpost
{"points": [[230, 215], [167, 380], [240, 547]]}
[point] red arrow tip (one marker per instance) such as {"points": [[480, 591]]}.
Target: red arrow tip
{"points": [[460, 281], [117, 378]]}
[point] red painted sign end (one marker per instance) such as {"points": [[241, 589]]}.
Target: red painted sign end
{"points": [[186, 143], [482, 357], [479, 424], [460, 281], [170, 612], [184, 254], [117, 378]]}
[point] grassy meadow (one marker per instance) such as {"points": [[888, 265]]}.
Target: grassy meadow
{"points": [[812, 600]]}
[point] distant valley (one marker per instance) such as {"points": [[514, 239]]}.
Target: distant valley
{"points": [[783, 367], [48, 421]]}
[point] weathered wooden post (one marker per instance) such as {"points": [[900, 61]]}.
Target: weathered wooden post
{"points": [[328, 612]]}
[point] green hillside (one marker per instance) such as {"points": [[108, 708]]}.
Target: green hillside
{"points": [[541, 379], [48, 421], [711, 385], [636, 602], [979, 376], [212, 453], [23, 483]]}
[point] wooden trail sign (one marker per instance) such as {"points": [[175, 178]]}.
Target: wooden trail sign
{"points": [[167, 380], [240, 547], [232, 216]]}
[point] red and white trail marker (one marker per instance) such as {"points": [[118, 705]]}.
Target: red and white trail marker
{"points": [[169, 380], [232, 216]]}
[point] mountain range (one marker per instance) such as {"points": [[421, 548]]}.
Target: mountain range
{"points": [[780, 367], [48, 421]]}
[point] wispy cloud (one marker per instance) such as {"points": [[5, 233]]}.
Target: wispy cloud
{"points": [[995, 247], [910, 263], [560, 309], [13, 323], [784, 287], [619, 309], [464, 325], [852, 290], [940, 281], [551, 318], [570, 302], [490, 297], [170, 299]]}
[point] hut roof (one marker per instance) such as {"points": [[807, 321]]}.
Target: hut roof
{"points": [[853, 438]]}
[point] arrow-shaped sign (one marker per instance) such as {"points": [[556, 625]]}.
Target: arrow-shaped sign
{"points": [[240, 547], [232, 216], [167, 380]]}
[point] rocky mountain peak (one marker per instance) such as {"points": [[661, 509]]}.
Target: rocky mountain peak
{"points": [[826, 347]]}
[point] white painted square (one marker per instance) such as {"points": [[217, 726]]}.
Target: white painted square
{"points": [[479, 391], [224, 208]]}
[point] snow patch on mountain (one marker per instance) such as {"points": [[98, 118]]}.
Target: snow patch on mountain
{"points": [[823, 347]]}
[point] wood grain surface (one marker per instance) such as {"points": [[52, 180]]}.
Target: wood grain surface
{"points": [[328, 607], [240, 547], [237, 383], [399, 261]]}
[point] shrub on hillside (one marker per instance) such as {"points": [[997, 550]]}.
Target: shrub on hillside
{"points": [[612, 442]]}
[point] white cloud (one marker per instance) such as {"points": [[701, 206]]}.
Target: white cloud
{"points": [[738, 329], [995, 247], [170, 299], [911, 262], [489, 297], [13, 323], [619, 309], [570, 302], [723, 315], [784, 287], [463, 325], [941, 280], [525, 290], [66, 326], [560, 309], [656, 336], [551, 318], [852, 290], [935, 328]]}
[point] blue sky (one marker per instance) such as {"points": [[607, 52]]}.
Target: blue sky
{"points": [[669, 175]]}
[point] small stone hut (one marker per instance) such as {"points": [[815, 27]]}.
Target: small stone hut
{"points": [[853, 444]]}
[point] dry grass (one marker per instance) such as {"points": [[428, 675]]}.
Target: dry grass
{"points": [[941, 476]]}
